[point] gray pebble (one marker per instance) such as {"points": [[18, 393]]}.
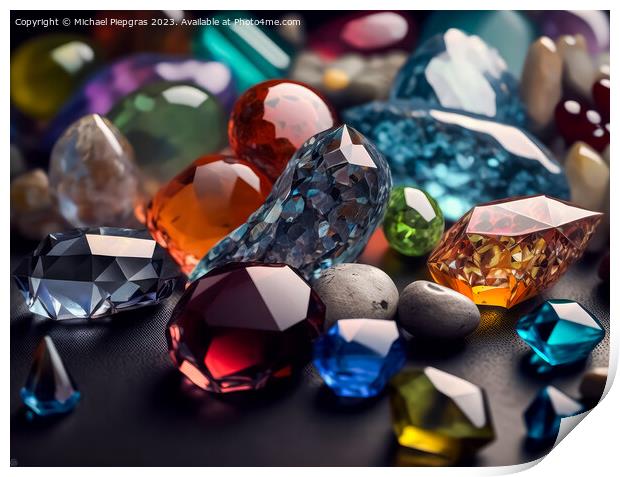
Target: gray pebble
{"points": [[354, 290], [593, 384], [429, 310]]}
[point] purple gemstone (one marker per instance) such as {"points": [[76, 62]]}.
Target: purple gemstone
{"points": [[592, 24], [107, 86]]}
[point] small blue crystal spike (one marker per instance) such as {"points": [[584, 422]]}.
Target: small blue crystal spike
{"points": [[49, 388], [545, 413]]}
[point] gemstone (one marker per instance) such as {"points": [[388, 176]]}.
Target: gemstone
{"points": [[203, 204], [505, 252], [576, 122], [588, 176], [364, 32], [49, 388], [413, 222], [271, 120], [96, 272], [93, 176], [441, 417], [561, 331], [545, 413], [157, 31], [601, 94], [33, 210], [592, 24], [357, 357], [320, 212], [169, 125], [580, 70], [46, 69], [460, 160], [511, 32], [461, 72], [252, 51], [541, 82], [244, 326], [101, 91]]}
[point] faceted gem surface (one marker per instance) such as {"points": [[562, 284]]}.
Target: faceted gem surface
{"points": [[441, 417], [203, 204], [253, 52], [320, 212], [505, 252], [169, 125], [545, 413], [92, 273], [461, 160], [576, 122], [271, 120], [93, 175], [561, 331], [49, 388], [101, 91], [357, 357], [46, 70], [413, 222], [461, 72], [243, 326]]}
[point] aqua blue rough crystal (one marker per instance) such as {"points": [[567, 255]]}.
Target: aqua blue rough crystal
{"points": [[461, 72], [544, 414], [459, 159], [321, 211], [561, 331], [49, 388], [357, 357]]}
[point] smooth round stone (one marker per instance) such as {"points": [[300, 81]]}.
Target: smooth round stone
{"points": [[101, 91], [580, 71], [413, 223], [576, 122], [593, 384], [271, 120], [510, 32], [588, 176], [354, 290], [169, 125], [46, 69], [601, 94], [541, 82], [93, 176], [429, 310], [295, 34], [592, 24]]}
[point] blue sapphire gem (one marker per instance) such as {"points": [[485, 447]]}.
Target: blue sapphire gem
{"points": [[321, 211], [357, 357], [561, 331], [457, 71], [49, 388], [459, 159], [544, 414]]}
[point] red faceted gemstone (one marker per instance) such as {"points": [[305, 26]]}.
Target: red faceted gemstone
{"points": [[576, 122], [271, 120], [600, 93], [244, 325]]}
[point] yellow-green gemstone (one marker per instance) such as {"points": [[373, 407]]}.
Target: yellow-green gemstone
{"points": [[439, 418], [413, 222], [47, 69]]}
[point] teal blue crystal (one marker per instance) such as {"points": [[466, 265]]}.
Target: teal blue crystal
{"points": [[545, 413], [561, 331], [461, 72], [459, 159], [320, 212]]}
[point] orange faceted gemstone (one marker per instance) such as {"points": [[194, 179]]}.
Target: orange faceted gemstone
{"points": [[504, 252], [203, 204]]}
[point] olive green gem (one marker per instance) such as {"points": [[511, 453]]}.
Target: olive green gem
{"points": [[413, 222]]}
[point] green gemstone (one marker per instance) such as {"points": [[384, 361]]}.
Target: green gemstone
{"points": [[413, 222], [170, 125]]}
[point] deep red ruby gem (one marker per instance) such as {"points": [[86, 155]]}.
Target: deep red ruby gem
{"points": [[600, 93], [576, 122]]}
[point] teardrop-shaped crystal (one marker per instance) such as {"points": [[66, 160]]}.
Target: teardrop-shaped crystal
{"points": [[93, 176], [49, 388]]}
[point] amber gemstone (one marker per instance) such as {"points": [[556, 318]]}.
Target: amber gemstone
{"points": [[203, 204], [504, 252], [243, 326], [271, 120], [576, 122]]}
